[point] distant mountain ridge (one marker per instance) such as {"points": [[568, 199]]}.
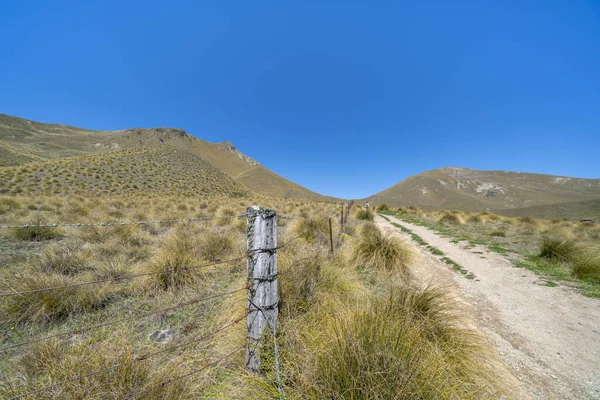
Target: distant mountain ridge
{"points": [[23, 142], [475, 190]]}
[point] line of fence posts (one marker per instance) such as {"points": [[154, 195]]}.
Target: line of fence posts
{"points": [[263, 290]]}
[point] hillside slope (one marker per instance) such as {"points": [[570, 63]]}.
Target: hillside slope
{"points": [[578, 210], [23, 142], [153, 170], [473, 190]]}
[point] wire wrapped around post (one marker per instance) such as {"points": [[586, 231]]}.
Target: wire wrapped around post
{"points": [[263, 292]]}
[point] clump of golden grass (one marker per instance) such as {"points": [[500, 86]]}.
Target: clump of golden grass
{"points": [[8, 204], [49, 305], [224, 212], [66, 259], [170, 266], [36, 233], [311, 230], [382, 207], [308, 276], [301, 285], [114, 268], [475, 219], [407, 344], [449, 218], [374, 250], [587, 266], [555, 248], [55, 360], [215, 245], [500, 232], [365, 215], [131, 235], [325, 302], [526, 220]]}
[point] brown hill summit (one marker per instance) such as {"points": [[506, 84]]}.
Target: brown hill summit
{"points": [[474, 190], [24, 144]]}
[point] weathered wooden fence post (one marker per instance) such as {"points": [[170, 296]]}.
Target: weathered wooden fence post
{"points": [[263, 293]]}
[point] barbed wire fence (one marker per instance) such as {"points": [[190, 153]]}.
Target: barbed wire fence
{"points": [[262, 290]]}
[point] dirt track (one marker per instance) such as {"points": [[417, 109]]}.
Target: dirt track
{"points": [[549, 337]]}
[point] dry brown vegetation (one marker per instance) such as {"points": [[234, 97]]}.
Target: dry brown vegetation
{"points": [[513, 193], [352, 325], [560, 249], [37, 258], [121, 173], [55, 159]]}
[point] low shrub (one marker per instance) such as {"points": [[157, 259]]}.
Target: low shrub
{"points": [[55, 361], [365, 215], [449, 218], [377, 251], [383, 207], [405, 345], [556, 248], [526, 220], [500, 232], [215, 245], [49, 305], [36, 233], [66, 259], [114, 268], [312, 230], [170, 266], [474, 219], [587, 266], [303, 270], [225, 212]]}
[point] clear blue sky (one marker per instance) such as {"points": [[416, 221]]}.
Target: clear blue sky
{"points": [[343, 97]]}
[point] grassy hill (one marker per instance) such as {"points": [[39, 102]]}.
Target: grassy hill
{"points": [[577, 210], [158, 170], [473, 190], [23, 142]]}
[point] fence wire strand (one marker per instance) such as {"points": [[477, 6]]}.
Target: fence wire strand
{"points": [[156, 221], [104, 224], [136, 359], [203, 338], [122, 278], [137, 317], [171, 380]]}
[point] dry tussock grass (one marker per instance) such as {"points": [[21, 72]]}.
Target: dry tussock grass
{"points": [[344, 319], [376, 251], [560, 248], [355, 332]]}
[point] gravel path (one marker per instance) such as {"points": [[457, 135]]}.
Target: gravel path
{"points": [[549, 337]]}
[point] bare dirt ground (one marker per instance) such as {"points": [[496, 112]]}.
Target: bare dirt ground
{"points": [[549, 337]]}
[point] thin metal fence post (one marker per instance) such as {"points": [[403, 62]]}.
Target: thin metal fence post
{"points": [[330, 236]]}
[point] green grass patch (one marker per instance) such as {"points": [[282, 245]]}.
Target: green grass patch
{"points": [[498, 249], [435, 250], [550, 284], [541, 266], [458, 268]]}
